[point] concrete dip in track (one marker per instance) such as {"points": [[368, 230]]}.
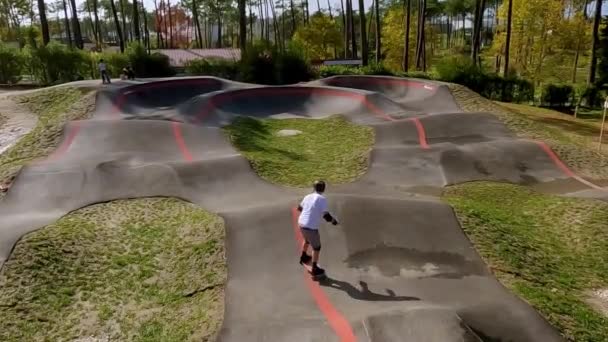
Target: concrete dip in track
{"points": [[399, 266]]}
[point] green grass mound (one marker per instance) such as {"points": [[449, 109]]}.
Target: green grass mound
{"points": [[332, 149], [54, 107], [137, 270], [549, 250]]}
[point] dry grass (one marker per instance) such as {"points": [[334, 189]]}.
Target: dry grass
{"points": [[134, 270], [54, 108], [571, 140]]}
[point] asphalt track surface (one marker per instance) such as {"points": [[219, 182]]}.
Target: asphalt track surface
{"points": [[399, 266]]}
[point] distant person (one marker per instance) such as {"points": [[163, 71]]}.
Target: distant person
{"points": [[128, 72], [105, 78], [312, 208]]}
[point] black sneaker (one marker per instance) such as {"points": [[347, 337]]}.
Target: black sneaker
{"points": [[316, 270], [305, 259]]}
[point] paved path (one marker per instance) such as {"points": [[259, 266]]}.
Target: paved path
{"points": [[400, 267]]}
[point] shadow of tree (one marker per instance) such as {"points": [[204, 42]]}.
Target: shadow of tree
{"points": [[363, 293], [247, 134]]}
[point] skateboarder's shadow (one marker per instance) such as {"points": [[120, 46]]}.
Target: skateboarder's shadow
{"points": [[363, 293]]}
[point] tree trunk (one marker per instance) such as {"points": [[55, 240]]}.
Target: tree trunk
{"points": [[275, 24], [159, 39], [420, 44], [345, 27], [250, 22], [293, 17], [163, 9], [378, 33], [267, 20], [171, 46], [596, 42], [242, 26], [121, 41], [219, 30], [98, 38], [135, 20], [46, 38], [283, 34], [406, 45], [124, 20], [262, 24], [476, 41], [307, 12], [331, 16], [318, 6], [353, 35], [76, 25], [146, 32], [364, 52], [508, 40], [197, 24], [67, 23]]}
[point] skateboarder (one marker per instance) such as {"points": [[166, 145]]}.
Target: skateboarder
{"points": [[312, 208]]}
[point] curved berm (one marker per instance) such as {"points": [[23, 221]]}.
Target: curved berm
{"points": [[399, 266]]}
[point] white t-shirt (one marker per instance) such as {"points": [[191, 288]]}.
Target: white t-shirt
{"points": [[313, 207], [102, 66]]}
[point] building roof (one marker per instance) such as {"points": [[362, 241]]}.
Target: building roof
{"points": [[179, 57]]}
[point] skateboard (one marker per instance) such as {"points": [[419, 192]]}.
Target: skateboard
{"points": [[308, 267]]}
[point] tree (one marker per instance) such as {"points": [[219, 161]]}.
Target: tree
{"points": [[364, 52], [595, 44], [420, 42], [603, 64], [121, 41], [76, 26], [378, 33], [406, 47], [242, 26], [123, 16], [44, 24], [319, 37], [98, 37], [508, 43], [67, 22], [136, 21], [478, 20]]}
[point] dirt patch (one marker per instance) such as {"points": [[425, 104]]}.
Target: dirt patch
{"points": [[599, 300], [15, 121]]}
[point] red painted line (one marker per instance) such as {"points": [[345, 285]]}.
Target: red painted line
{"points": [[337, 322], [179, 139], [421, 134], [561, 165], [74, 128]]}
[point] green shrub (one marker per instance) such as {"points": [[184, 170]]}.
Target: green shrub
{"points": [[336, 70], [11, 64], [213, 67], [115, 62], [56, 63], [264, 64], [554, 95], [257, 64], [460, 69], [291, 67], [148, 65], [417, 74], [376, 69]]}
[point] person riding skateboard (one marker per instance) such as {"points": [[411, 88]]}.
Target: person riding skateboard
{"points": [[312, 208]]}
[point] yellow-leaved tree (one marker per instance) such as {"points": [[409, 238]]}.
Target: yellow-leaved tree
{"points": [[319, 38]]}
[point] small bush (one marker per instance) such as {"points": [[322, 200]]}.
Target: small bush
{"points": [[337, 70], [213, 67], [554, 95], [376, 69], [292, 67], [56, 63], [148, 65], [264, 64], [11, 64], [257, 64], [460, 69]]}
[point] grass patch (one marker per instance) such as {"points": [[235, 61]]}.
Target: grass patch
{"points": [[332, 149], [3, 119], [54, 108], [575, 141], [136, 270], [547, 249]]}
